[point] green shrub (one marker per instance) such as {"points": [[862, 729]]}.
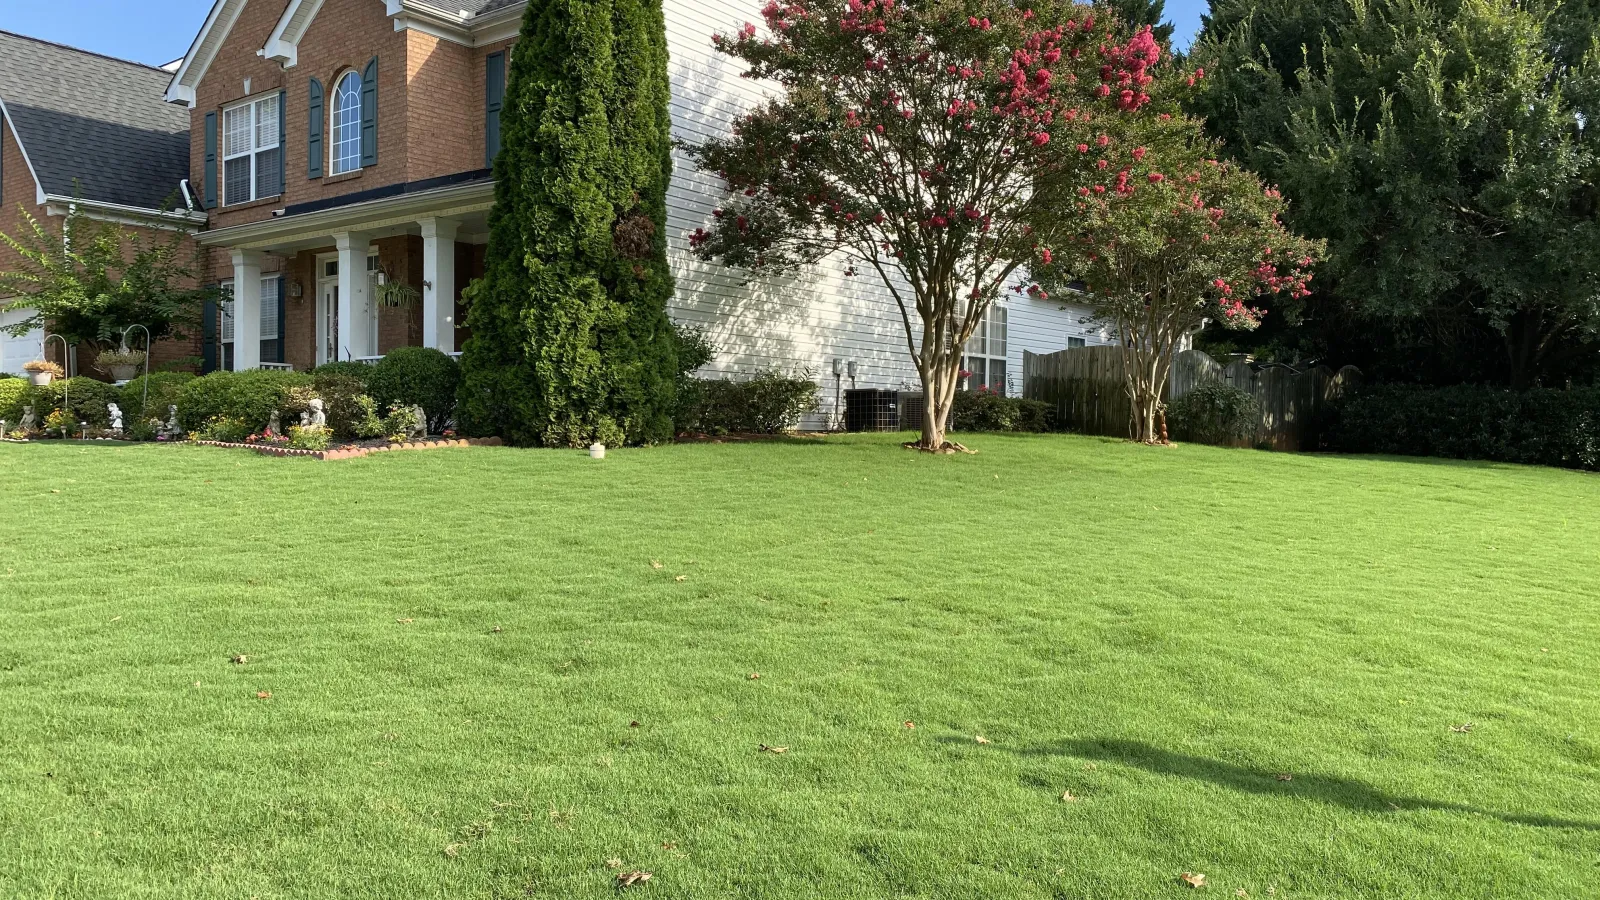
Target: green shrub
{"points": [[309, 437], [12, 393], [228, 429], [87, 398], [1215, 412], [420, 376], [401, 423], [1540, 427], [251, 396], [339, 393], [62, 424], [164, 390], [349, 368], [769, 403], [978, 411]]}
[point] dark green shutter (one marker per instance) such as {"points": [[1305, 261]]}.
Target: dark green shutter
{"points": [[314, 132], [369, 114], [209, 335], [283, 143], [211, 160], [494, 97]]}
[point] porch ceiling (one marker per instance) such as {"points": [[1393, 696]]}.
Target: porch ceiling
{"points": [[390, 216]]}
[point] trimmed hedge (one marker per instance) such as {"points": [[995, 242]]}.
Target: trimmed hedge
{"points": [[1215, 412], [250, 396], [1539, 427], [12, 390], [769, 403], [358, 371], [978, 411], [164, 390], [88, 398], [420, 376]]}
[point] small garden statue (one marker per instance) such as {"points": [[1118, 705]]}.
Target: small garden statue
{"points": [[315, 415], [171, 431], [115, 413], [28, 423], [421, 428], [274, 424]]}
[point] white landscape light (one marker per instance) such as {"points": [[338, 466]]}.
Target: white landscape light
{"points": [[597, 450]]}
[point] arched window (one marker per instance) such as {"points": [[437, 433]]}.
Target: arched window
{"points": [[346, 149]]}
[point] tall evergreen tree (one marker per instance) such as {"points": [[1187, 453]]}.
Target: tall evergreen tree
{"points": [[571, 341]]}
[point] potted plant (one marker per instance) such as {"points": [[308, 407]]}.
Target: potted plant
{"points": [[123, 364], [42, 371]]}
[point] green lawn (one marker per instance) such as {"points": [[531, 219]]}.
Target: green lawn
{"points": [[457, 644]]}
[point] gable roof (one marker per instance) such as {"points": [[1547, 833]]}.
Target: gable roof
{"points": [[93, 127]]}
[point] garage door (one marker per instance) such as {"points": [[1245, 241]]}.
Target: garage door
{"points": [[14, 351]]}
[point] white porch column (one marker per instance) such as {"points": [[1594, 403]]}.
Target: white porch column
{"points": [[356, 312], [246, 310], [439, 283]]}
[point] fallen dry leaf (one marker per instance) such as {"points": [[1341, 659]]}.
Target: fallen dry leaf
{"points": [[1241, 892], [239, 659], [910, 724], [1285, 776], [983, 740], [197, 684], [1462, 729], [680, 578], [656, 564], [755, 676], [1193, 879], [116, 618], [263, 695], [1068, 797], [634, 724], [766, 749], [669, 845], [451, 851], [629, 879], [613, 863], [497, 629]]}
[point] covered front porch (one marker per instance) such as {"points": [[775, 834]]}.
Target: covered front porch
{"points": [[307, 286]]}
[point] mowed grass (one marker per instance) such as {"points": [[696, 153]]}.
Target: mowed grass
{"points": [[481, 687]]}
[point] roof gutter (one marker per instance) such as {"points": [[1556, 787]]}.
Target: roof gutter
{"points": [[181, 219]]}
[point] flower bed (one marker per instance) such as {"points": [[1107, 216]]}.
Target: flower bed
{"points": [[355, 451]]}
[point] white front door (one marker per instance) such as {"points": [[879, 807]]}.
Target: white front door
{"points": [[327, 309], [14, 351]]}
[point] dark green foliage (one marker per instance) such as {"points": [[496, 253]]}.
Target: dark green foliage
{"points": [[1136, 14], [1537, 427], [352, 414], [977, 411], [418, 375], [1446, 151], [247, 396], [164, 390], [12, 391], [359, 371], [1215, 412], [570, 337], [87, 399], [769, 403]]}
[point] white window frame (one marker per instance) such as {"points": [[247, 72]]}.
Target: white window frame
{"points": [[259, 144], [269, 288], [334, 108], [983, 345]]}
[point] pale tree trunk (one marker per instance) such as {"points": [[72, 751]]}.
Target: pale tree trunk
{"points": [[939, 366]]}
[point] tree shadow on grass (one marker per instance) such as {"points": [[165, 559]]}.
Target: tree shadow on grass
{"points": [[1346, 792]]}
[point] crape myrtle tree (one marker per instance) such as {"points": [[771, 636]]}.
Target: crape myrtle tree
{"points": [[920, 140], [91, 281], [1169, 241], [571, 342]]}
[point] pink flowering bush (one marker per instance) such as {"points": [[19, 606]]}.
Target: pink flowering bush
{"points": [[926, 143]]}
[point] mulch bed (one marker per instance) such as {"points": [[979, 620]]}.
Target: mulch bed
{"points": [[356, 451]]}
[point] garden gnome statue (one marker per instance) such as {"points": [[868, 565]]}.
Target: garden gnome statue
{"points": [[27, 423], [318, 418], [116, 417], [274, 424], [172, 429], [421, 430]]}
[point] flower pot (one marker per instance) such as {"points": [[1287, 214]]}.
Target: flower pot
{"points": [[124, 373], [41, 379]]}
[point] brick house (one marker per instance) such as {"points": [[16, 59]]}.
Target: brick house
{"points": [[82, 130], [336, 145]]}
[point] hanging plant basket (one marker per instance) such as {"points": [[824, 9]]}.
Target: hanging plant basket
{"points": [[392, 294]]}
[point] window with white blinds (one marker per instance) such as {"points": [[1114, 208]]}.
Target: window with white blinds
{"points": [[252, 160]]}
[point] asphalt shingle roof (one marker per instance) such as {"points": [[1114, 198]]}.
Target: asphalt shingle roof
{"points": [[93, 126]]}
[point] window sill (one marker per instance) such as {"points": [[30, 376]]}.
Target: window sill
{"points": [[343, 176], [264, 201]]}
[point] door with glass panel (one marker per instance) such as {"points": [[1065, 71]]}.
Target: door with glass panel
{"points": [[327, 309]]}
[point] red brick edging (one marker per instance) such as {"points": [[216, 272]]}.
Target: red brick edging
{"points": [[357, 452]]}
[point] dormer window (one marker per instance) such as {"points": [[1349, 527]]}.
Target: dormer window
{"points": [[346, 148], [252, 152]]}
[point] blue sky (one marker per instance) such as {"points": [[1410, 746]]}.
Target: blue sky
{"points": [[159, 31]]}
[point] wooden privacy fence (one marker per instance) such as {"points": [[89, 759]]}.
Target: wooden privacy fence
{"points": [[1087, 387]]}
